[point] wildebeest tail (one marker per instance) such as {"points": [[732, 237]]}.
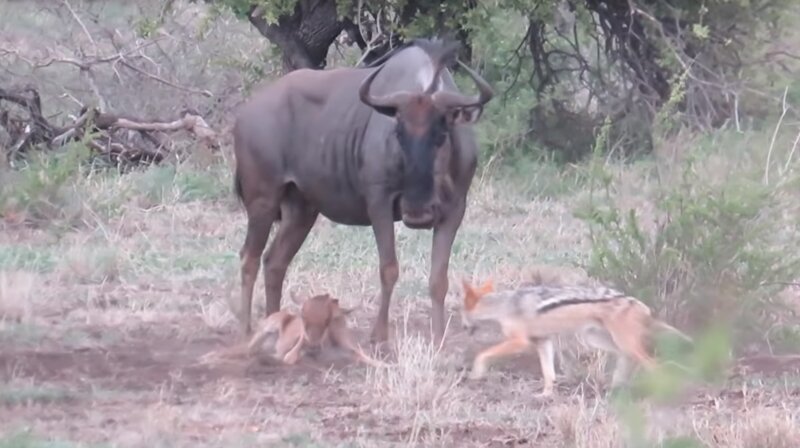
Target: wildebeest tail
{"points": [[237, 185]]}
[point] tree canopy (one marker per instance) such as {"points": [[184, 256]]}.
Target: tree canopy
{"points": [[582, 61]]}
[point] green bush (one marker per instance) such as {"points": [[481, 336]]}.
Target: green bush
{"points": [[717, 250], [44, 190]]}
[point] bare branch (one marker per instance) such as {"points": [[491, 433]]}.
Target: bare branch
{"points": [[377, 36], [28, 133], [791, 153], [189, 122], [80, 23], [775, 135], [205, 93]]}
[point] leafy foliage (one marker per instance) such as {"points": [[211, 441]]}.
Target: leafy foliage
{"points": [[581, 60], [714, 251], [42, 192]]}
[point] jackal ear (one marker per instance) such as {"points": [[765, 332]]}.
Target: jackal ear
{"points": [[487, 287]]}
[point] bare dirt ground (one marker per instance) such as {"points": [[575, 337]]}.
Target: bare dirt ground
{"points": [[150, 389], [103, 328]]}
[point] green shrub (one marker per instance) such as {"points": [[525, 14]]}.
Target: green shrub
{"points": [[718, 250], [44, 190]]}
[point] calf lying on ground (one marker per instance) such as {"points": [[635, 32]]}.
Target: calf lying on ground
{"points": [[320, 320]]}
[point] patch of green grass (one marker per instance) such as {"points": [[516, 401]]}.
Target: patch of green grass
{"points": [[45, 191], [21, 333], [28, 258], [165, 184], [16, 395], [300, 441], [92, 263], [528, 178], [24, 439]]}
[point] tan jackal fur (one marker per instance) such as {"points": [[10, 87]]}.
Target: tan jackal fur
{"points": [[532, 314]]}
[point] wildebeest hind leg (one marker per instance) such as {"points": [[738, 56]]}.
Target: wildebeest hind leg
{"points": [[383, 228], [443, 237], [261, 213], [297, 219]]}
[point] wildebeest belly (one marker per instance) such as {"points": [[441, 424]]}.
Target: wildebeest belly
{"points": [[336, 202]]}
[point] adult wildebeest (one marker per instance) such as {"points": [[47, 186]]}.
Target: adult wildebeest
{"points": [[362, 146]]}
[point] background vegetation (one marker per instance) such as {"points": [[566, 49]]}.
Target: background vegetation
{"points": [[653, 143]]}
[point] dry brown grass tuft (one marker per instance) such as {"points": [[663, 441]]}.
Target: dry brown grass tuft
{"points": [[581, 425], [420, 381], [16, 291], [85, 264], [770, 428]]}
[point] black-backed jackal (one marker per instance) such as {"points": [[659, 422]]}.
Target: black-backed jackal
{"points": [[606, 319]]}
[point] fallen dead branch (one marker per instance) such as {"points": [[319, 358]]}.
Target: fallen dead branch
{"points": [[111, 134]]}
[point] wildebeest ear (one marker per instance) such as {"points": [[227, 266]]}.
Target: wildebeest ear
{"points": [[466, 115]]}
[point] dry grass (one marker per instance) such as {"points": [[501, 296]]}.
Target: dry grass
{"points": [[127, 280], [117, 312]]}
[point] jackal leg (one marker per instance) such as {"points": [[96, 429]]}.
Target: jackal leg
{"points": [[547, 363], [622, 370], [629, 338], [602, 340], [633, 344], [513, 345]]}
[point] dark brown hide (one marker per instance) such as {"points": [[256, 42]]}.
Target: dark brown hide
{"points": [[361, 146]]}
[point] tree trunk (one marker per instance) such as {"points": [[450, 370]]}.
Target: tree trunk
{"points": [[303, 37]]}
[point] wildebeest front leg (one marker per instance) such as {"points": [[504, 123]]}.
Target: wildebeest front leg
{"points": [[383, 228], [443, 237]]}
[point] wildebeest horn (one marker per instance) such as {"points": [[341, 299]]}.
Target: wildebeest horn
{"points": [[391, 100], [447, 100], [445, 55]]}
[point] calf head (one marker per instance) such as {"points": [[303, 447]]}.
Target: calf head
{"points": [[424, 121], [318, 313]]}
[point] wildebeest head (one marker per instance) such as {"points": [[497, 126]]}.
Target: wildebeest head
{"points": [[423, 124]]}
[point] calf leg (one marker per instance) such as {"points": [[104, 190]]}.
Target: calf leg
{"points": [[383, 228], [297, 219], [261, 213], [442, 245]]}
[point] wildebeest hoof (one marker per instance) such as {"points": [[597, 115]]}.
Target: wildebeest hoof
{"points": [[379, 335], [246, 330], [476, 374]]}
